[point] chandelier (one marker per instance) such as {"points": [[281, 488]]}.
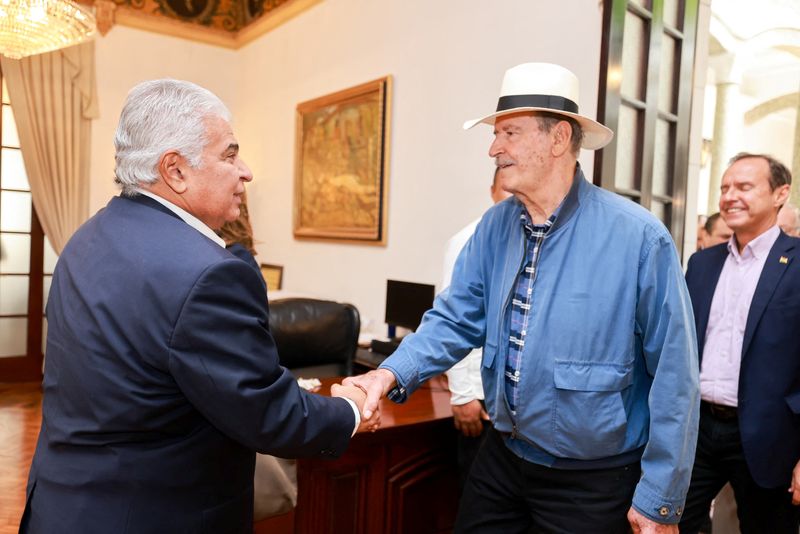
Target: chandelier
{"points": [[30, 27]]}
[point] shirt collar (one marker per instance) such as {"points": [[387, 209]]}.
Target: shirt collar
{"points": [[758, 247], [187, 217], [565, 208], [527, 222]]}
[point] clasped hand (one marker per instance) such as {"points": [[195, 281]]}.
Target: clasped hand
{"points": [[367, 391], [358, 396]]}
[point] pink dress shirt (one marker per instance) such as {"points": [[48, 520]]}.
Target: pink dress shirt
{"points": [[722, 352]]}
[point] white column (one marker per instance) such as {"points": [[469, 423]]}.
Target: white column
{"points": [[795, 195], [728, 123]]}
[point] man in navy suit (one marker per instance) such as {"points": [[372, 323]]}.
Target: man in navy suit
{"points": [[746, 299], [162, 379]]}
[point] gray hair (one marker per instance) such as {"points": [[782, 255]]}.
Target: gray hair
{"points": [[161, 115], [547, 122]]}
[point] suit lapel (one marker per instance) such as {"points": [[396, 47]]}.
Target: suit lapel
{"points": [[706, 294], [778, 260]]}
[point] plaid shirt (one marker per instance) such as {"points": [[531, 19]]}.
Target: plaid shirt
{"points": [[521, 304]]}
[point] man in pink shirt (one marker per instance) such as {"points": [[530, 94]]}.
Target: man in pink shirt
{"points": [[746, 300]]}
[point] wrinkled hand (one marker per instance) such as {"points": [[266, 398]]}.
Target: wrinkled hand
{"points": [[376, 384], [644, 525], [469, 418], [359, 397], [794, 488]]}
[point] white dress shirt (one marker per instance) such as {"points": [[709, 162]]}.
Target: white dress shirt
{"points": [[727, 318]]}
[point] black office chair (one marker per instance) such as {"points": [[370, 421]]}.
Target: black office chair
{"points": [[315, 338]]}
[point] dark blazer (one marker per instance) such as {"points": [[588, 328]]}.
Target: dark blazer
{"points": [[161, 381], [238, 250], [769, 377]]}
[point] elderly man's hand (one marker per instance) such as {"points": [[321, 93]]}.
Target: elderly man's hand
{"points": [[644, 525], [358, 396], [376, 384], [469, 418]]}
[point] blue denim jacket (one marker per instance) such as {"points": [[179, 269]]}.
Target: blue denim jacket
{"points": [[611, 360]]}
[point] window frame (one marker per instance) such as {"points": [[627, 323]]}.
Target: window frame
{"points": [[28, 366], [611, 100]]}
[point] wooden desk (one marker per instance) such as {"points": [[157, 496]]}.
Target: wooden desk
{"points": [[401, 479]]}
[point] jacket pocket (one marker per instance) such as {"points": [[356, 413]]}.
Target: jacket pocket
{"points": [[590, 420], [232, 516]]}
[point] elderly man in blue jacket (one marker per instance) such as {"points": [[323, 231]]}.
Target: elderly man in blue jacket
{"points": [[589, 353]]}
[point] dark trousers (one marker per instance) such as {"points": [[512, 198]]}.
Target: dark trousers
{"points": [[504, 493], [468, 448], [719, 459]]}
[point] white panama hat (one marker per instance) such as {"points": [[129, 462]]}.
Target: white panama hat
{"points": [[545, 87]]}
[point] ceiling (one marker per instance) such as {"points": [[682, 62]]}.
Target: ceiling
{"points": [[230, 23], [764, 39], [745, 18]]}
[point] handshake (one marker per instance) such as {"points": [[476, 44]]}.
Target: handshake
{"points": [[366, 391]]}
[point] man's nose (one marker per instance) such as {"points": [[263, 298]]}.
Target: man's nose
{"points": [[726, 197], [246, 174], [496, 148]]}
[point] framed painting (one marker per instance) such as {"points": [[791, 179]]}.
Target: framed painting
{"points": [[342, 163], [273, 276]]}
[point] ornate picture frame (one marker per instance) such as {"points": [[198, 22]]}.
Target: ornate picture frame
{"points": [[342, 165]]}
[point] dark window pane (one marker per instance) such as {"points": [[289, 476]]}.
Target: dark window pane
{"points": [[13, 174], [661, 211], [635, 45], [10, 136], [668, 70], [50, 257], [13, 334], [662, 157], [15, 253], [15, 211], [13, 294], [672, 13], [628, 136]]}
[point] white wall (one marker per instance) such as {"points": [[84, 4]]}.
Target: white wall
{"points": [[447, 59], [125, 57]]}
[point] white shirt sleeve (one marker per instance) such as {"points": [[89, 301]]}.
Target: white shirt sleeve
{"points": [[464, 378], [357, 414]]}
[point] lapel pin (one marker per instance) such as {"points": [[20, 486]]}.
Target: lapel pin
{"points": [[784, 259]]}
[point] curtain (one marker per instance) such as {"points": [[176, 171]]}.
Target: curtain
{"points": [[54, 98]]}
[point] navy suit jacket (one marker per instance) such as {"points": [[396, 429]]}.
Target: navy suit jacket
{"points": [[161, 382], [769, 376]]}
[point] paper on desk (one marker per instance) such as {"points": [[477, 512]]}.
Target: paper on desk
{"points": [[365, 339], [309, 384]]}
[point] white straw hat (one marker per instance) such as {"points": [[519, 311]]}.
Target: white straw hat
{"points": [[545, 87]]}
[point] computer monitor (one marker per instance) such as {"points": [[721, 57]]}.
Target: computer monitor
{"points": [[406, 302]]}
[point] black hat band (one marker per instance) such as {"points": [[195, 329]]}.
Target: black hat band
{"points": [[558, 103]]}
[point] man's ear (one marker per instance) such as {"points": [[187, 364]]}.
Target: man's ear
{"points": [[781, 195], [169, 168], [562, 135]]}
